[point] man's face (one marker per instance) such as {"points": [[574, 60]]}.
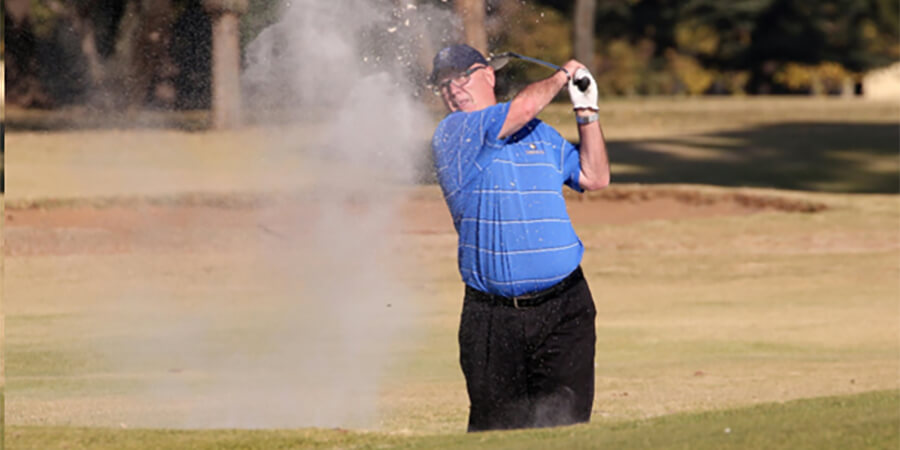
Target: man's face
{"points": [[470, 90]]}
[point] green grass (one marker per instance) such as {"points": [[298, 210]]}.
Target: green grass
{"points": [[864, 421], [694, 314], [766, 307], [830, 145], [82, 117]]}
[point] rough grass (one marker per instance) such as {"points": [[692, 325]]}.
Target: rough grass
{"points": [[827, 144], [863, 421], [693, 315]]}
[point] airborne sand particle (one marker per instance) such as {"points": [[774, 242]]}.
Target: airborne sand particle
{"points": [[299, 333]]}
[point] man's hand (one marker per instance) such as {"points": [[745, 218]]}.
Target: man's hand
{"points": [[586, 99]]}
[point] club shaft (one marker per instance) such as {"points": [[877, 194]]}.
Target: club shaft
{"points": [[535, 60], [582, 83]]}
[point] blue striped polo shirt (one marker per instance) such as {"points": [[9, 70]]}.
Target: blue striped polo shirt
{"points": [[505, 196]]}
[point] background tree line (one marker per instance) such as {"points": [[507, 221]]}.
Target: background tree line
{"points": [[662, 47], [156, 53]]}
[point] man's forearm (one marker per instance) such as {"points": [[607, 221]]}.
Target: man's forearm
{"points": [[592, 153], [531, 101]]}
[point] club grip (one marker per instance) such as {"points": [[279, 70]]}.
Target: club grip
{"points": [[583, 83]]}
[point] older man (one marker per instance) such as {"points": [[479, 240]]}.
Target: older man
{"points": [[527, 332]]}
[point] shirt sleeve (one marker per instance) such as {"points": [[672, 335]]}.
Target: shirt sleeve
{"points": [[571, 166], [461, 140], [491, 121], [481, 127]]}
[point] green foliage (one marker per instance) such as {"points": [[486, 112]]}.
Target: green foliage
{"points": [[695, 78], [741, 44], [623, 68], [765, 36], [260, 14], [697, 38], [644, 47], [43, 19], [548, 35], [818, 79], [859, 421]]}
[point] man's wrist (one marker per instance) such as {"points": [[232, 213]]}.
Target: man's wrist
{"points": [[566, 73], [586, 116]]}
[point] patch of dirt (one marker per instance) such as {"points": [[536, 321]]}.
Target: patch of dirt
{"points": [[699, 197], [207, 222]]}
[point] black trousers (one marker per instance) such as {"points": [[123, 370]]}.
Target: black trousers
{"points": [[529, 366]]}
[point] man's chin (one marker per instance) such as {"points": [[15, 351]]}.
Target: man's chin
{"points": [[465, 106]]}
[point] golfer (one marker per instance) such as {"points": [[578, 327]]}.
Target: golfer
{"points": [[526, 334]]}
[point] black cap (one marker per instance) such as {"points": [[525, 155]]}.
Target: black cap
{"points": [[454, 59]]}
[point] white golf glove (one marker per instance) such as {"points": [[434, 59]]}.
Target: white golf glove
{"points": [[586, 99]]}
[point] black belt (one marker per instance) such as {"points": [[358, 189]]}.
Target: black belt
{"points": [[530, 299]]}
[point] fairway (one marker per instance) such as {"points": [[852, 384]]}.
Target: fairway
{"points": [[158, 294], [860, 421]]}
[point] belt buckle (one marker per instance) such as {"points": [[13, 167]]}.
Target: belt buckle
{"points": [[516, 299]]}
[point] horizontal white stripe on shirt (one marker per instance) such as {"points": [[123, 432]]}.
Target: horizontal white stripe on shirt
{"points": [[509, 283], [505, 222], [518, 164], [514, 191], [519, 252]]}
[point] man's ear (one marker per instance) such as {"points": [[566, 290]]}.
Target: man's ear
{"points": [[491, 78], [448, 103]]}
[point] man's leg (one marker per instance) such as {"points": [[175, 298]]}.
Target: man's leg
{"points": [[561, 368], [491, 353]]}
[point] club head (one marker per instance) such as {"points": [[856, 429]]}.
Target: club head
{"points": [[497, 62]]}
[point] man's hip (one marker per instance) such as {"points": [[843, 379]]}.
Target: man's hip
{"points": [[530, 299]]}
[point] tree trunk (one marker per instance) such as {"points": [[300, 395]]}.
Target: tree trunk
{"points": [[152, 69], [85, 27], [817, 87], [22, 83], [848, 87], [583, 30], [421, 46], [472, 13], [226, 61]]}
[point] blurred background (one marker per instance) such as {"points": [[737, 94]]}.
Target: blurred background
{"points": [[210, 64], [203, 196], [158, 54]]}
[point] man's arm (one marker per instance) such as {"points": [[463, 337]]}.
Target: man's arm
{"points": [[592, 153], [529, 102]]}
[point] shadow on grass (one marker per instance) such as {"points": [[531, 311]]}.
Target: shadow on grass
{"points": [[88, 119], [813, 156]]}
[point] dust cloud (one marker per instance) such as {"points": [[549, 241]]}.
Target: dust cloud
{"points": [[303, 326]]}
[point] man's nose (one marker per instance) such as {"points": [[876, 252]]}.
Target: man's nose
{"points": [[454, 89]]}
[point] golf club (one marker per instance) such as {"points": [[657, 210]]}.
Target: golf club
{"points": [[500, 60]]}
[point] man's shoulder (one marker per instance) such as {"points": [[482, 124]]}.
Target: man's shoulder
{"points": [[448, 127], [450, 120], [469, 127], [536, 129]]}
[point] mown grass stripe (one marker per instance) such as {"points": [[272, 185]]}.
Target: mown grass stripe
{"points": [[863, 421]]}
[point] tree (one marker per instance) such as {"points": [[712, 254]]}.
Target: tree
{"points": [[22, 82], [472, 13], [109, 53], [226, 61], [583, 26], [152, 70], [777, 41]]}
